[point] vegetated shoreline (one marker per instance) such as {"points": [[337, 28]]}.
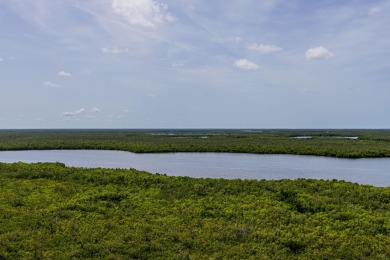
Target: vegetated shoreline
{"points": [[367, 144], [49, 210]]}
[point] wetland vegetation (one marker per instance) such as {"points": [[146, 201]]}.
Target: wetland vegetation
{"points": [[365, 143], [49, 211]]}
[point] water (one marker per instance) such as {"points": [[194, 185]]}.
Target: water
{"points": [[220, 165]]}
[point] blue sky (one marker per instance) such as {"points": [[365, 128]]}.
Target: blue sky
{"points": [[194, 64]]}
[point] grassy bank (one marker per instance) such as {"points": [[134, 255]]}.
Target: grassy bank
{"points": [[51, 211], [335, 143]]}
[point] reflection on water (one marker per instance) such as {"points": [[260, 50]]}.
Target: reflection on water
{"points": [[220, 165]]}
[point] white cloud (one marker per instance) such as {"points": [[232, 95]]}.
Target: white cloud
{"points": [[113, 50], [74, 113], [79, 111], [147, 13], [64, 74], [246, 64], [263, 48], [374, 11], [1, 59], [95, 110], [318, 53], [51, 84]]}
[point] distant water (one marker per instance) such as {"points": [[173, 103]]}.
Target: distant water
{"points": [[372, 171]]}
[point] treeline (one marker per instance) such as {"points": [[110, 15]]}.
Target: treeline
{"points": [[334, 143], [49, 211]]}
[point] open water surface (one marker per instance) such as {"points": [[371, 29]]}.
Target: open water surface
{"points": [[372, 171]]}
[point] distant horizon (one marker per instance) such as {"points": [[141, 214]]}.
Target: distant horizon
{"points": [[249, 129]]}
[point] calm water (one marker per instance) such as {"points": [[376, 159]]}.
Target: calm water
{"points": [[220, 165]]}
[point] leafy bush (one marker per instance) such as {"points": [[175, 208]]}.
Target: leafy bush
{"points": [[51, 211]]}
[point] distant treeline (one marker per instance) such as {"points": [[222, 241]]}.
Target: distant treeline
{"points": [[334, 143], [49, 211]]}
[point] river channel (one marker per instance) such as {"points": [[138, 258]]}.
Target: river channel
{"points": [[372, 171]]}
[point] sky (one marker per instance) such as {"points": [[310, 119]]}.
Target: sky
{"points": [[194, 64]]}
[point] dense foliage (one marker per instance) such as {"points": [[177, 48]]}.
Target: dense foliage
{"points": [[51, 211], [370, 143]]}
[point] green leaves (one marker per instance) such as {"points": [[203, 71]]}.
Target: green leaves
{"points": [[48, 210]]}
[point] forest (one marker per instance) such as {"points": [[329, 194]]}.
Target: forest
{"points": [[50, 211], [326, 142]]}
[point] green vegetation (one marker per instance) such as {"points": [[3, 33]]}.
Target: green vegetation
{"points": [[370, 143], [49, 211]]}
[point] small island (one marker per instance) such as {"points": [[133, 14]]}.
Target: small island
{"points": [[347, 143]]}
